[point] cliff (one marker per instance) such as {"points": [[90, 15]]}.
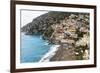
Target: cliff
{"points": [[41, 23]]}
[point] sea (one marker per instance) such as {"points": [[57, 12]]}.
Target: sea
{"points": [[35, 49]]}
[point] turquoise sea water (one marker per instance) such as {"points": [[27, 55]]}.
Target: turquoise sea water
{"points": [[33, 48]]}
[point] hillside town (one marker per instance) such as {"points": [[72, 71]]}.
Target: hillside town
{"points": [[73, 38], [68, 29]]}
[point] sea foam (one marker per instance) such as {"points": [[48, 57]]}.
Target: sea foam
{"points": [[50, 54]]}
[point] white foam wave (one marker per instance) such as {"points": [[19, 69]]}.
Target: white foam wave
{"points": [[46, 43], [49, 54]]}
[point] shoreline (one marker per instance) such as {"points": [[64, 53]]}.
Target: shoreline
{"points": [[50, 53], [63, 54]]}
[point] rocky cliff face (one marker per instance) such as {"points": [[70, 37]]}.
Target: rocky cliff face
{"points": [[70, 30], [41, 23]]}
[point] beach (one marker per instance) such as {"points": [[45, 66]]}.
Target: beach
{"points": [[58, 53], [50, 53], [64, 55]]}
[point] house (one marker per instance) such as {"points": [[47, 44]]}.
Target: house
{"points": [[59, 29], [67, 41]]}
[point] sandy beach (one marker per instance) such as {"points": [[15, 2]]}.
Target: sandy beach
{"points": [[63, 54], [50, 54]]}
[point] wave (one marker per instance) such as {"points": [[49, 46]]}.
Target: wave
{"points": [[50, 54], [40, 37], [46, 43]]}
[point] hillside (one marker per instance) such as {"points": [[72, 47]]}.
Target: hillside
{"points": [[70, 30]]}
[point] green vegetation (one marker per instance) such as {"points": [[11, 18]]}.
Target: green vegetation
{"points": [[48, 32]]}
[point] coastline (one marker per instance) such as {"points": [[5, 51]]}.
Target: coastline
{"points": [[68, 32], [58, 53], [50, 53]]}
